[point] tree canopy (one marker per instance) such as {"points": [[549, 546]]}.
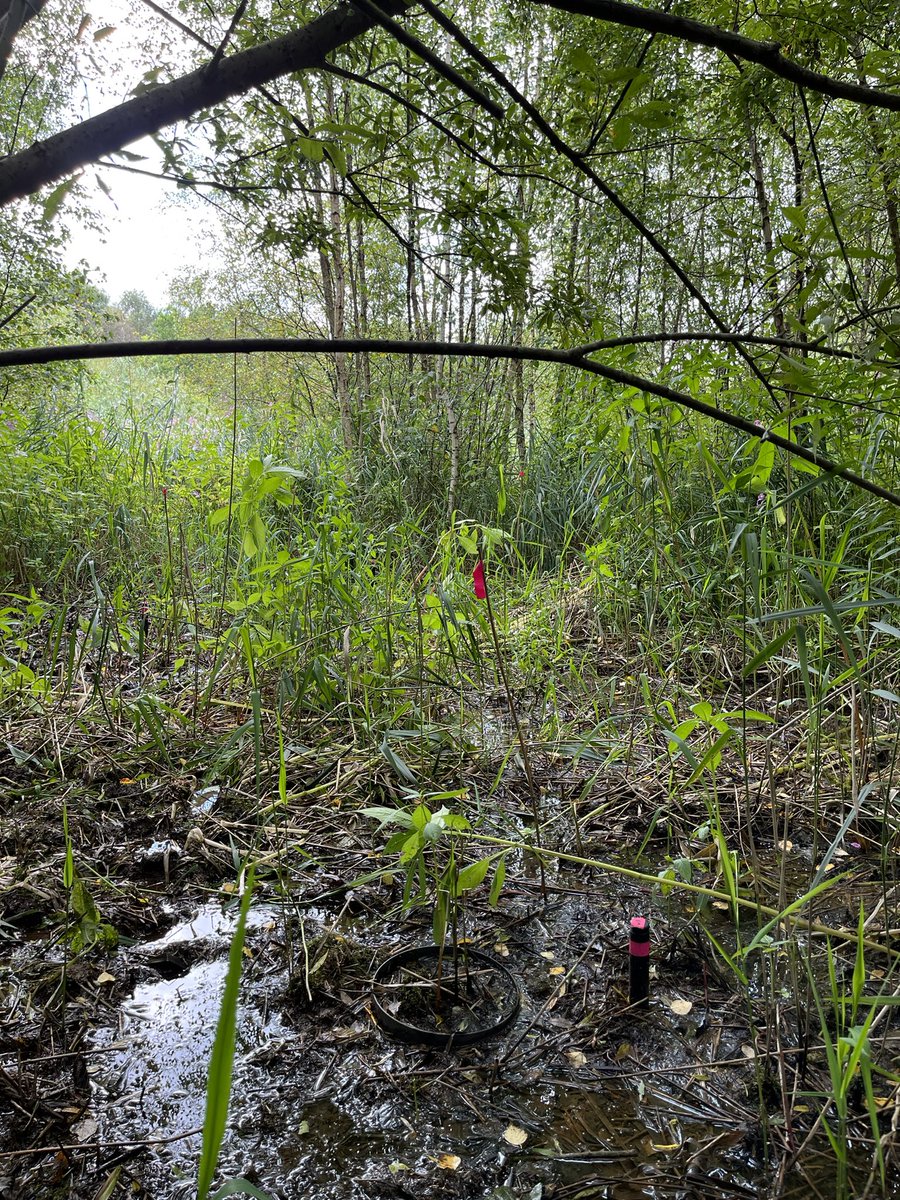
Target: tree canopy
{"points": [[705, 199]]}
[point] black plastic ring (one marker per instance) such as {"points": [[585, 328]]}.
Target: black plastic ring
{"points": [[431, 1037]]}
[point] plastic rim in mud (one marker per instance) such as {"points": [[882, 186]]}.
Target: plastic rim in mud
{"points": [[504, 986]]}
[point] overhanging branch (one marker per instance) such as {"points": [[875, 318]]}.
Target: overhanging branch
{"points": [[23, 173], [33, 356], [765, 54]]}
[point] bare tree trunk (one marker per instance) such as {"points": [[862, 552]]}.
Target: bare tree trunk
{"points": [[341, 364], [453, 438], [762, 203], [362, 283], [888, 177], [800, 271], [445, 381], [334, 282], [517, 370]]}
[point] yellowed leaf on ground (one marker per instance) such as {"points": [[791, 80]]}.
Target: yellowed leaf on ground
{"points": [[345, 1033], [721, 905], [680, 1008], [623, 1051], [548, 954], [748, 1051], [449, 1162], [501, 949], [576, 1058], [105, 977], [515, 1135], [557, 970], [786, 844]]}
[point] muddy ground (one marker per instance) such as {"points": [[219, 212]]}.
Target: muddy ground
{"points": [[110, 989]]}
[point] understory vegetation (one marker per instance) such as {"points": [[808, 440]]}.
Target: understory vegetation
{"points": [[427, 639]]}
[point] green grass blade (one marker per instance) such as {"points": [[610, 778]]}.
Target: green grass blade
{"points": [[769, 650], [221, 1063]]}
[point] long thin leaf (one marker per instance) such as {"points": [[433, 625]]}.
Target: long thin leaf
{"points": [[768, 651], [818, 590], [839, 836], [221, 1063]]}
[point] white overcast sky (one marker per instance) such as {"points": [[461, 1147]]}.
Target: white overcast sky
{"points": [[146, 236], [145, 239]]}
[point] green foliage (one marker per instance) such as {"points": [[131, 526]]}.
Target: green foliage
{"points": [[286, 542], [221, 1066], [84, 927], [428, 845]]}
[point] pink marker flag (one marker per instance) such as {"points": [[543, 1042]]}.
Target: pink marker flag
{"points": [[478, 580]]}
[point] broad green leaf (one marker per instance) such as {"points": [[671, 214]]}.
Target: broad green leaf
{"points": [[55, 199], [456, 821], [259, 532], [439, 917], [498, 881], [472, 875], [433, 830], [338, 157], [388, 816], [411, 847], [311, 148]]}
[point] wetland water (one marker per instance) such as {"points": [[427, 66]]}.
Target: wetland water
{"points": [[577, 1100]]}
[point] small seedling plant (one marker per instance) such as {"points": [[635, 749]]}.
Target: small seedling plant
{"points": [[430, 846]]}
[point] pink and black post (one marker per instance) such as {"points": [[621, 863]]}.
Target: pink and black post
{"points": [[639, 960]]}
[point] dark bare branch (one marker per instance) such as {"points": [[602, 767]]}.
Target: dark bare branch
{"points": [[764, 54], [18, 13], [437, 64], [566, 358], [25, 172]]}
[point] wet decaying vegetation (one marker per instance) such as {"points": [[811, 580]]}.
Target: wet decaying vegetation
{"points": [[764, 1064], [491, 542]]}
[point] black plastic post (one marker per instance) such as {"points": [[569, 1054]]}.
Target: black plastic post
{"points": [[639, 959]]}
